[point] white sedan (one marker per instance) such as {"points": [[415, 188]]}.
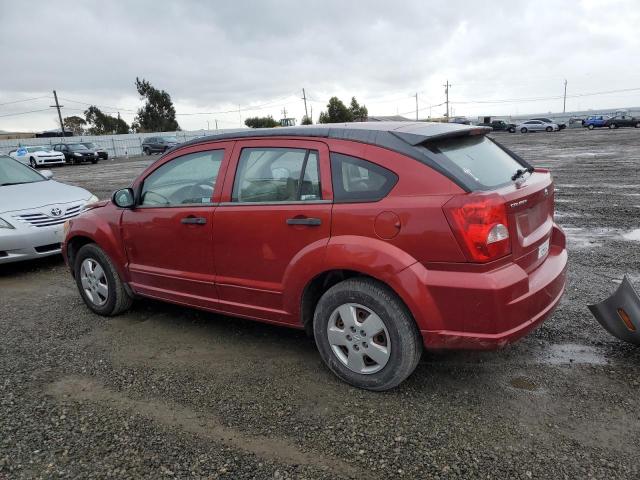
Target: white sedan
{"points": [[33, 209], [537, 126], [36, 156]]}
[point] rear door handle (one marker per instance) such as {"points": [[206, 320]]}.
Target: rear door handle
{"points": [[194, 220], [312, 222]]}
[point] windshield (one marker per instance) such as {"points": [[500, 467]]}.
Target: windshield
{"points": [[478, 157], [37, 149], [90, 145], [13, 172], [170, 139], [77, 146]]}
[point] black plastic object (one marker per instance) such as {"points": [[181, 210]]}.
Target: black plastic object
{"points": [[620, 313]]}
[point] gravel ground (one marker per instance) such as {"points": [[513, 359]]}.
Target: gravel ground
{"points": [[167, 392]]}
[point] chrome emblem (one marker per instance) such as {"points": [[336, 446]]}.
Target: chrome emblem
{"points": [[56, 212], [546, 192]]}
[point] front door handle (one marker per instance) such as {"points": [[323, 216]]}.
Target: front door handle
{"points": [[194, 220], [312, 222]]}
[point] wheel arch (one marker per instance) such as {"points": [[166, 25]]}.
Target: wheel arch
{"points": [[369, 258]]}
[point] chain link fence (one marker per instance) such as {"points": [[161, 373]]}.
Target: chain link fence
{"points": [[116, 145]]}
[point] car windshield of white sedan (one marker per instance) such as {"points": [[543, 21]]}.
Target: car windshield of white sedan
{"points": [[37, 149], [77, 146], [15, 173]]}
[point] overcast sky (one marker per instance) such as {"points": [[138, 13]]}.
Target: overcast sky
{"points": [[214, 56]]}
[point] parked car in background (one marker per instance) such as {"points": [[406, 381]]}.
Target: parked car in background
{"points": [[33, 209], [561, 126], [76, 153], [37, 156], [537, 126], [158, 144], [380, 239], [500, 126], [595, 121], [622, 121], [576, 122], [460, 120], [102, 153]]}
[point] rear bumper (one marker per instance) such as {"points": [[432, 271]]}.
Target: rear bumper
{"points": [[488, 310]]}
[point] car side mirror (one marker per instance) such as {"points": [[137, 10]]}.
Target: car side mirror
{"points": [[123, 198], [46, 174]]}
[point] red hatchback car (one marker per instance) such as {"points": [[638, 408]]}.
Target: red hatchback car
{"points": [[380, 239]]}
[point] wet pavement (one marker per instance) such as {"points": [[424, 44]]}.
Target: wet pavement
{"points": [[165, 391]]}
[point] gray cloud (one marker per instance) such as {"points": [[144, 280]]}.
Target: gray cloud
{"points": [[214, 56]]}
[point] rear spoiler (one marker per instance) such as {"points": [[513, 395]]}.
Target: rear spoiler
{"points": [[415, 139]]}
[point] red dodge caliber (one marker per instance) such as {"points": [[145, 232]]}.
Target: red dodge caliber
{"points": [[380, 239]]}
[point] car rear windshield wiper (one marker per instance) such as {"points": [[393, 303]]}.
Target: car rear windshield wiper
{"points": [[520, 173]]}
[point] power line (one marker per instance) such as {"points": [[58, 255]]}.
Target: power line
{"points": [[24, 113], [25, 100]]}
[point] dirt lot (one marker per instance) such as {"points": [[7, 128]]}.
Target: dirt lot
{"points": [[168, 392]]}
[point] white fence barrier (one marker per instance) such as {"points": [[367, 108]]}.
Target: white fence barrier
{"points": [[116, 145]]}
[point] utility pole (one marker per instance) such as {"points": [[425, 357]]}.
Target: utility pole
{"points": [[240, 115], [446, 92], [564, 102], [416, 106], [216, 124], [304, 97], [207, 125], [311, 113], [58, 106]]}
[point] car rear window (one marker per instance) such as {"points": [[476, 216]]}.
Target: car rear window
{"points": [[477, 157]]}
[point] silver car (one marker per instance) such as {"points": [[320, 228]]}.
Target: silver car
{"points": [[33, 209], [537, 126]]}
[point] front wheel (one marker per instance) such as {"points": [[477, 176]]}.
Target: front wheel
{"points": [[99, 283], [32, 162], [612, 126], [366, 335], [94, 161], [637, 125], [523, 130], [512, 130], [590, 127], [146, 151], [549, 129]]}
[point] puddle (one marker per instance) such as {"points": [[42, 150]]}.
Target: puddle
{"points": [[633, 235], [586, 238], [571, 354]]}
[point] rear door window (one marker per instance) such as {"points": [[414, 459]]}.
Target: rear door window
{"points": [[478, 157], [357, 180]]}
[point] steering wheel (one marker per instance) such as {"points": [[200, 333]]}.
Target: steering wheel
{"points": [[189, 193]]}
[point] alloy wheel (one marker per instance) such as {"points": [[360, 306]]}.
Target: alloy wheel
{"points": [[359, 338], [94, 282]]}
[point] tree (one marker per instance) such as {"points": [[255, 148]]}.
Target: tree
{"points": [[306, 120], [158, 113], [337, 112], [102, 124], [74, 123], [358, 113], [261, 122]]}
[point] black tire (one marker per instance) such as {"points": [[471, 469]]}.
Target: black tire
{"points": [[405, 342], [118, 300], [549, 129], [523, 130], [33, 163], [612, 126], [512, 130], [94, 161], [146, 151], [590, 126], [637, 125]]}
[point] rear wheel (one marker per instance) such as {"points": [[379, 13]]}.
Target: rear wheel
{"points": [[99, 283], [146, 151], [549, 129], [590, 127], [512, 130], [366, 335], [637, 125], [612, 126], [523, 130], [33, 163], [94, 161]]}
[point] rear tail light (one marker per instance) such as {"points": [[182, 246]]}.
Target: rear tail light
{"points": [[480, 225]]}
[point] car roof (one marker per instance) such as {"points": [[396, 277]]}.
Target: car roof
{"points": [[392, 135], [401, 137]]}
